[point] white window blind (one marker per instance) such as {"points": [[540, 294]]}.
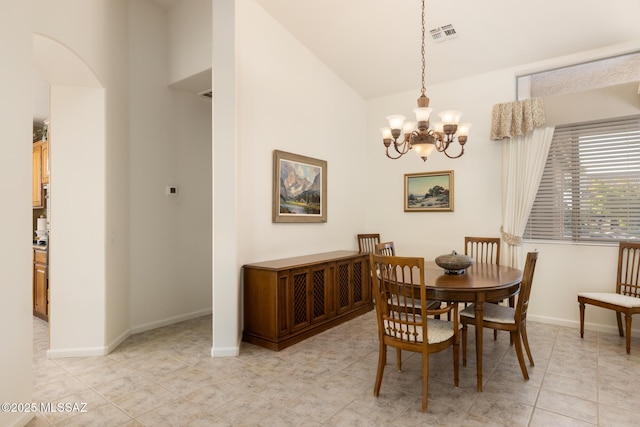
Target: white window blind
{"points": [[590, 189]]}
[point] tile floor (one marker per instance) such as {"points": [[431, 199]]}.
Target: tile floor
{"points": [[165, 377]]}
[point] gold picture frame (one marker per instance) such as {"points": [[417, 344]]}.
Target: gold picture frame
{"points": [[428, 192], [299, 188]]}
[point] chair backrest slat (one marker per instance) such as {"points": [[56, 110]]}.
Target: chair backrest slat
{"points": [[483, 249], [367, 242], [628, 269], [385, 248], [525, 287]]}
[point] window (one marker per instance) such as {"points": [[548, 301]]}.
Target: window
{"points": [[590, 189]]}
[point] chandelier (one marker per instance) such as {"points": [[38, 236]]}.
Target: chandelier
{"points": [[417, 135]]}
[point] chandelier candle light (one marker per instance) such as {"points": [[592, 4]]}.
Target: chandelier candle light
{"points": [[418, 135]]}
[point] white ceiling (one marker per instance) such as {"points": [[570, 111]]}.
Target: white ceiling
{"points": [[374, 45]]}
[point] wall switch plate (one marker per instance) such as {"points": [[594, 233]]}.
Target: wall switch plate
{"points": [[171, 190]]}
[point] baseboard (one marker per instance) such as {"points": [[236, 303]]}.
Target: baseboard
{"points": [[225, 351], [119, 340], [77, 352], [575, 324], [169, 321], [553, 321]]}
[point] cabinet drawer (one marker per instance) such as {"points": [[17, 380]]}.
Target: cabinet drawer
{"points": [[40, 257]]}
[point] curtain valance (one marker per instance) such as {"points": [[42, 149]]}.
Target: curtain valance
{"points": [[513, 119]]}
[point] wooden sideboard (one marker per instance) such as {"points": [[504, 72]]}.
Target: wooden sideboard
{"points": [[289, 300]]}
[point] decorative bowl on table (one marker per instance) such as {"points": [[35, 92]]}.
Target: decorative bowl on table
{"points": [[454, 263]]}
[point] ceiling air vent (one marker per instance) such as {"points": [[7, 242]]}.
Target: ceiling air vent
{"points": [[444, 33], [206, 94]]}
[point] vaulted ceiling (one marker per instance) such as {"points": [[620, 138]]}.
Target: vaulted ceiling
{"points": [[374, 45]]}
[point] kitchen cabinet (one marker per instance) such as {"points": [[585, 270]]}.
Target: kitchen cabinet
{"points": [[36, 177], [40, 284], [39, 172], [45, 162], [289, 300]]}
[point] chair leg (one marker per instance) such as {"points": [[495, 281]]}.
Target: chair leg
{"points": [[464, 344], [399, 357], [627, 319], [495, 334], [425, 381], [518, 345], [382, 360], [619, 319], [456, 362], [525, 341], [581, 320]]}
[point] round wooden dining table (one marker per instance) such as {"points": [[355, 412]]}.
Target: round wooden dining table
{"points": [[479, 283]]}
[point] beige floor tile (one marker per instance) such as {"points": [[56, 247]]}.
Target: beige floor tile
{"points": [[542, 418], [75, 404], [144, 400], [123, 386], [53, 391], [177, 413], [167, 377], [571, 386], [104, 416], [212, 396], [611, 416], [514, 389], [505, 412], [570, 406]]}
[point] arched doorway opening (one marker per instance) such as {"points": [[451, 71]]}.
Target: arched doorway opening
{"points": [[77, 238]]}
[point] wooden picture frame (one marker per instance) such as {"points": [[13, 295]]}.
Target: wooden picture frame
{"points": [[299, 188], [428, 192]]}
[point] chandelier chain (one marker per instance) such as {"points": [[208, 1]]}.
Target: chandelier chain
{"points": [[418, 136], [424, 90]]}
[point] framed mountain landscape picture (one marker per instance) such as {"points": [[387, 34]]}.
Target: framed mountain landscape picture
{"points": [[428, 192], [299, 188]]}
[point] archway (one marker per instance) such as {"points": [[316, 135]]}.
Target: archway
{"points": [[77, 195]]}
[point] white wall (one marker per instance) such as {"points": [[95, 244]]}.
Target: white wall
{"points": [[288, 100], [76, 279], [170, 144], [15, 215], [189, 41], [224, 158]]}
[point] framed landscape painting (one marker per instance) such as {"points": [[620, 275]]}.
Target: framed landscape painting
{"points": [[299, 188], [428, 192]]}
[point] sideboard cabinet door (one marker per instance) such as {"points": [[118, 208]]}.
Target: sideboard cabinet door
{"points": [[352, 284]]}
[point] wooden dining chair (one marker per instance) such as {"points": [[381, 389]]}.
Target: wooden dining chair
{"points": [[503, 318], [398, 284], [385, 248], [367, 243], [483, 249], [626, 298], [389, 249]]}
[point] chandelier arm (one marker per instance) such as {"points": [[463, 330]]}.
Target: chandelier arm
{"points": [[391, 157], [453, 157], [406, 146]]}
